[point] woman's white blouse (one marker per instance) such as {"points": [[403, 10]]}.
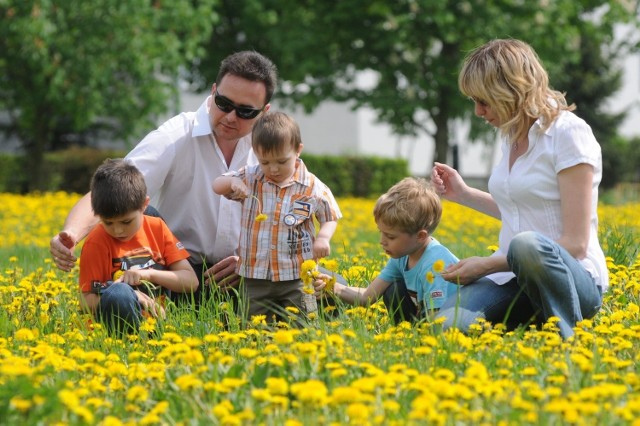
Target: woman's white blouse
{"points": [[529, 198]]}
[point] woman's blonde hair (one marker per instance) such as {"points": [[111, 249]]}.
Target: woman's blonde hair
{"points": [[508, 76]]}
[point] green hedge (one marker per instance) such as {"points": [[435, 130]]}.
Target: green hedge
{"points": [[71, 170], [357, 176], [10, 173]]}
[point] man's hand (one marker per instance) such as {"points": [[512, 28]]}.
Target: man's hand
{"points": [[223, 274], [61, 248], [150, 305]]}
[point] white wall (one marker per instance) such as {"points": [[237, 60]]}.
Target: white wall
{"points": [[628, 98]]}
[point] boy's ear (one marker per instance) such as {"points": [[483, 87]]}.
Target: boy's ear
{"points": [[146, 203], [300, 149], [423, 234]]}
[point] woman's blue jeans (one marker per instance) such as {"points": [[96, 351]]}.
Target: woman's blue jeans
{"points": [[549, 283], [119, 310]]}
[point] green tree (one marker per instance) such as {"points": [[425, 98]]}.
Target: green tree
{"points": [[413, 47], [591, 80], [74, 65]]}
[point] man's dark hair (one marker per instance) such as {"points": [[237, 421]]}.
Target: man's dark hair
{"points": [[117, 188], [251, 66]]}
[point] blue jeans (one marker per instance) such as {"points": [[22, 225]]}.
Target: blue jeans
{"points": [[119, 310], [549, 282]]}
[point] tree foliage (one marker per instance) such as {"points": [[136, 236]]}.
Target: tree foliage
{"points": [[69, 67], [414, 49]]}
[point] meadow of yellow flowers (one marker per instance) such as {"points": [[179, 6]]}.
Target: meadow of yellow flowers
{"points": [[57, 367]]}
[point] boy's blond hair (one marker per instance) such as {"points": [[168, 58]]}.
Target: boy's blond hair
{"points": [[410, 205]]}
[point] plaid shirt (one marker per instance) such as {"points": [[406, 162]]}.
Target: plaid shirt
{"points": [[275, 248]]}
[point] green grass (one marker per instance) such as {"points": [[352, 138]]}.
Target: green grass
{"points": [[213, 367]]}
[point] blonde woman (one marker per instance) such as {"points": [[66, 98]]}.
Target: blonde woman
{"points": [[545, 192]]}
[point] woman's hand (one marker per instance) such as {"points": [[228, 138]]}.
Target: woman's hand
{"points": [[468, 270], [447, 182]]}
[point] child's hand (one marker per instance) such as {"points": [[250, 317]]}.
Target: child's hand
{"points": [[239, 190], [323, 285], [135, 276], [150, 305], [319, 285], [321, 248]]}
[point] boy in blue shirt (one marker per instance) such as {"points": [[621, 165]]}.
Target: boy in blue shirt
{"points": [[410, 283]]}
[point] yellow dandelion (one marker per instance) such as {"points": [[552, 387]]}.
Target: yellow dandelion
{"points": [[430, 277], [261, 217], [20, 404], [308, 266], [331, 265], [259, 320], [137, 393], [283, 337], [292, 309], [277, 385], [309, 271], [111, 421], [26, 334], [330, 284], [223, 409], [438, 266]]}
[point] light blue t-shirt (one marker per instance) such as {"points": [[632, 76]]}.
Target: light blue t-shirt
{"points": [[429, 295]]}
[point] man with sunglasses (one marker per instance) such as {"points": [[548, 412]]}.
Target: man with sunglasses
{"points": [[179, 161]]}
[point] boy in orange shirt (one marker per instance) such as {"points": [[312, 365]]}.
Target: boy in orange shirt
{"points": [[128, 251]]}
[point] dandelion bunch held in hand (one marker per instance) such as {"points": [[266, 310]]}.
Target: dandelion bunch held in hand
{"points": [[309, 272], [332, 266]]}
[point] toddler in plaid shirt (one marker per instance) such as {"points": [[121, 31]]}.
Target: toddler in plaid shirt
{"points": [[280, 200]]}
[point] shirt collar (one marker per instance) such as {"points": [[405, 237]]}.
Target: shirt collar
{"points": [[300, 175], [202, 121]]}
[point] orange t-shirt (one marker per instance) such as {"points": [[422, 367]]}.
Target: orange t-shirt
{"points": [[153, 246]]}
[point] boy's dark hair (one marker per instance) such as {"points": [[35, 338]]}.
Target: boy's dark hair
{"points": [[117, 188], [410, 205], [274, 132], [251, 66]]}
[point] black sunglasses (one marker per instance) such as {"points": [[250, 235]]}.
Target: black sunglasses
{"points": [[225, 105]]}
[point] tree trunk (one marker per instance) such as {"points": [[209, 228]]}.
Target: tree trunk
{"points": [[33, 160]]}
